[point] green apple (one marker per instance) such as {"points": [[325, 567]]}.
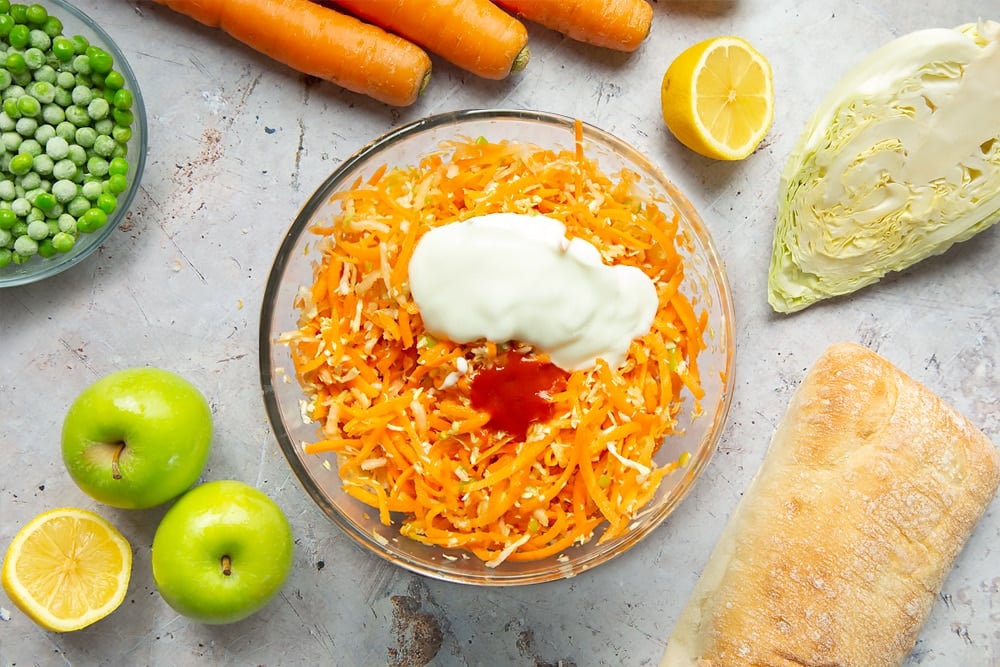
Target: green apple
{"points": [[221, 552], [137, 438]]}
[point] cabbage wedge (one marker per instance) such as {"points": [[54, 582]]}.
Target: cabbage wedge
{"points": [[900, 162]]}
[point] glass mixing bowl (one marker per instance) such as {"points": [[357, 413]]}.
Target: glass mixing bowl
{"points": [[75, 22], [698, 431]]}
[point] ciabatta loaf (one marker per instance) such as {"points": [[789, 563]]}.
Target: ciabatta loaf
{"points": [[833, 557]]}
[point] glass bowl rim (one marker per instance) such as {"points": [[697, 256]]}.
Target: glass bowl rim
{"points": [[46, 268], [708, 444]]}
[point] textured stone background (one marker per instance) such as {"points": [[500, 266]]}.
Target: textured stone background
{"points": [[237, 144]]}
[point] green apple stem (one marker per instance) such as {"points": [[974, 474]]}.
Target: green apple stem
{"points": [[115, 470], [227, 565]]}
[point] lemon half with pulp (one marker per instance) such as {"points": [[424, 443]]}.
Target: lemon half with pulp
{"points": [[717, 98], [67, 568]]}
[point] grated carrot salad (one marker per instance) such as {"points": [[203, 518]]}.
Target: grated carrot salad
{"points": [[393, 402]]}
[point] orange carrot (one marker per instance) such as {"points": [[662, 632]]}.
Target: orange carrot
{"points": [[321, 42], [614, 24], [383, 391], [475, 35]]}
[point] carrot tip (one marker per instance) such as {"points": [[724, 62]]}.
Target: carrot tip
{"points": [[521, 60]]}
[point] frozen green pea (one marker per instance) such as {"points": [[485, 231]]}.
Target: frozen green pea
{"points": [[7, 193], [46, 249], [53, 114], [44, 133], [19, 35], [62, 48], [34, 215], [97, 166], [9, 115], [7, 218], [39, 40], [66, 80], [30, 181], [118, 165], [29, 106], [67, 131], [81, 64], [77, 115], [105, 145], [86, 136], [80, 43], [34, 58], [63, 97], [20, 227], [67, 223], [6, 256], [46, 73], [26, 126], [20, 164], [104, 125], [6, 238], [121, 134], [123, 118], [35, 14], [30, 146], [11, 141], [46, 202], [78, 154], [100, 60], [115, 81], [13, 91], [53, 26], [5, 78], [63, 241], [91, 190], [107, 202], [77, 206], [64, 170], [57, 147], [43, 164], [64, 190], [43, 91], [38, 230], [15, 63], [82, 95], [123, 99], [117, 183], [25, 245], [93, 218]]}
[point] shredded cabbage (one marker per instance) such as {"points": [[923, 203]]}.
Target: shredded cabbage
{"points": [[901, 161]]}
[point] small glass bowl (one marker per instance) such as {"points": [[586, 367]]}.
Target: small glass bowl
{"points": [[698, 433], [75, 22]]}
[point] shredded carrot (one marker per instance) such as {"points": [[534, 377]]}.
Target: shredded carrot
{"points": [[392, 402]]}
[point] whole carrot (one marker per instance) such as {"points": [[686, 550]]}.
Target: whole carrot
{"points": [[321, 42], [475, 35], [614, 24]]}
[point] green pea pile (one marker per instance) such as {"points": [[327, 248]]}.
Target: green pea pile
{"points": [[65, 123]]}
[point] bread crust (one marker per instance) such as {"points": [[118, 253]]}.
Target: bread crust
{"points": [[833, 558]]}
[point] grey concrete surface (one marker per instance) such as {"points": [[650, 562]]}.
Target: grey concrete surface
{"points": [[237, 144]]}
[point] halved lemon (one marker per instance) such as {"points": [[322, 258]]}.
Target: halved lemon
{"points": [[717, 98], [67, 568]]}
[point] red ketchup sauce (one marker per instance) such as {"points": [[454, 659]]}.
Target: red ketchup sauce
{"points": [[516, 392]]}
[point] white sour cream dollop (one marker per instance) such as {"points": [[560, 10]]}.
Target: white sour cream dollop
{"points": [[508, 276]]}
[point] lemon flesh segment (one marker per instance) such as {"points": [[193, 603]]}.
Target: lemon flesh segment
{"points": [[731, 97], [67, 569]]}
